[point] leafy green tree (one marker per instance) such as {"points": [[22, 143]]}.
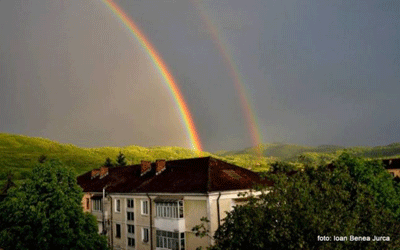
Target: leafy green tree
{"points": [[9, 183], [121, 161], [376, 178], [42, 158], [304, 206], [108, 163], [46, 213], [283, 167]]}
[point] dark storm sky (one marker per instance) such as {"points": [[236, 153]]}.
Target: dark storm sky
{"points": [[317, 72]]}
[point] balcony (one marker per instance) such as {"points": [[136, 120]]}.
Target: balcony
{"points": [[170, 224]]}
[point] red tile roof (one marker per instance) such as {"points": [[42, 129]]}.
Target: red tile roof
{"points": [[197, 175]]}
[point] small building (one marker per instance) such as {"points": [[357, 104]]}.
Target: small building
{"points": [[392, 166], [156, 205]]}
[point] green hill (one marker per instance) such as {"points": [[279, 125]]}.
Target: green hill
{"points": [[284, 151], [20, 153], [292, 152]]}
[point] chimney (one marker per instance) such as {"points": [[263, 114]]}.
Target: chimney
{"points": [[103, 172], [145, 167], [160, 166], [95, 173]]}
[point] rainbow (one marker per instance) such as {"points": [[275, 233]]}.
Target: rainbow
{"points": [[249, 113], [163, 70]]}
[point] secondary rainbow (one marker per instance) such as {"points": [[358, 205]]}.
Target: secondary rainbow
{"points": [[162, 68], [249, 113]]}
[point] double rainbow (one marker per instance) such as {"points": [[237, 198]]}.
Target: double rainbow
{"points": [[238, 82], [159, 64]]}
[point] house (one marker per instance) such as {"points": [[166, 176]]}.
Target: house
{"points": [[392, 166], [156, 205]]}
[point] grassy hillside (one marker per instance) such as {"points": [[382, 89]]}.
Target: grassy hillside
{"points": [[298, 153], [283, 151], [20, 153]]}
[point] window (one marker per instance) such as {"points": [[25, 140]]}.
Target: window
{"points": [[97, 205], [117, 231], [129, 203], [145, 207], [182, 241], [129, 215], [170, 240], [131, 242], [180, 209], [87, 203], [145, 234], [131, 229], [169, 209], [118, 205]]}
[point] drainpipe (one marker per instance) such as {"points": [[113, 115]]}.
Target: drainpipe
{"points": [[111, 223], [151, 224], [103, 208], [219, 196]]}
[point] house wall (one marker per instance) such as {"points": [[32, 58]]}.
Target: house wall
{"points": [[139, 242], [194, 210], [120, 219], [143, 221], [85, 206], [394, 172], [140, 221], [195, 207], [225, 205]]}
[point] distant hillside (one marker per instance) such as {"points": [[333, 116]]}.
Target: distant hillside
{"points": [[291, 152], [20, 153], [283, 151]]}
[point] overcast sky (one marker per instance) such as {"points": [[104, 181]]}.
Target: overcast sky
{"points": [[317, 71]]}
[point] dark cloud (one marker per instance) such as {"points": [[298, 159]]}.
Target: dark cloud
{"points": [[316, 72]]}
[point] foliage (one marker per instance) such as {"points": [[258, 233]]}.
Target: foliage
{"points": [[283, 167], [325, 153], [42, 158], [121, 162], [376, 178], [9, 183], [108, 162], [20, 154], [201, 230], [46, 213], [343, 199], [284, 151]]}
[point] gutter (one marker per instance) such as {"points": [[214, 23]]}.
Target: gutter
{"points": [[219, 196], [151, 223], [112, 225], [103, 208]]}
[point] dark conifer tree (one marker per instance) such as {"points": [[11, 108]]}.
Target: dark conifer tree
{"points": [[108, 163], [121, 161]]}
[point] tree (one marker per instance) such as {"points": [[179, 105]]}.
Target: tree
{"points": [[108, 163], [9, 183], [42, 158], [46, 212], [376, 178], [121, 160], [305, 206]]}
